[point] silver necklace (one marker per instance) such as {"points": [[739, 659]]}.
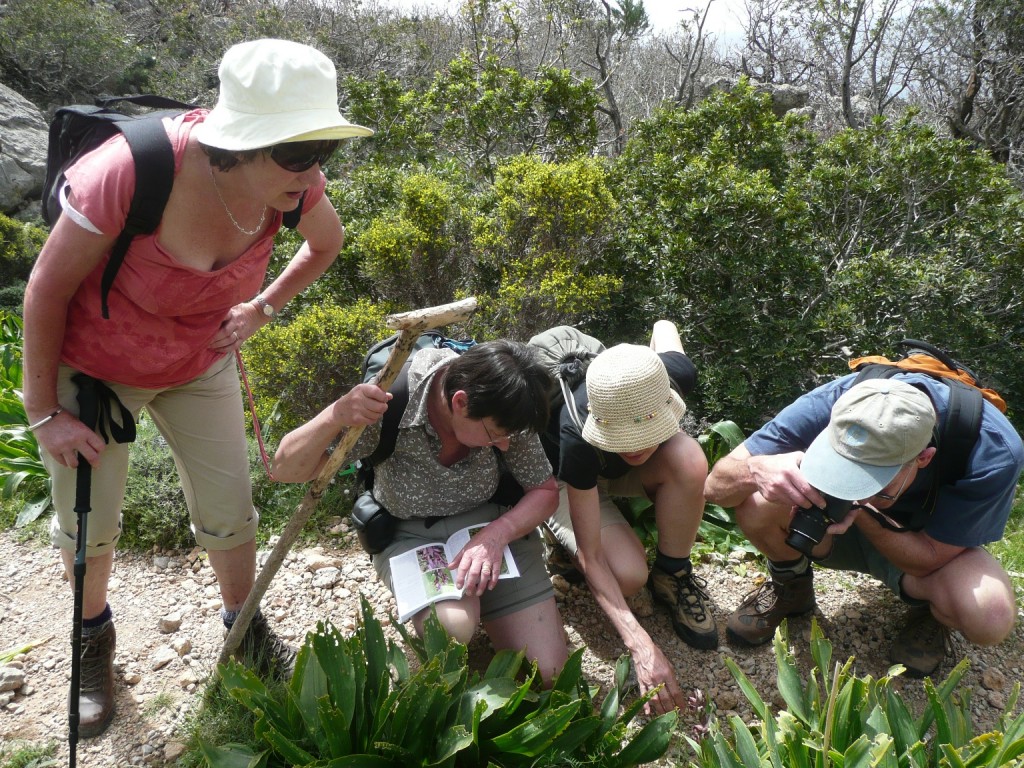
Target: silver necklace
{"points": [[239, 227]]}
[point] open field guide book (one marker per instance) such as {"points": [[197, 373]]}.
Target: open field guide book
{"points": [[421, 576]]}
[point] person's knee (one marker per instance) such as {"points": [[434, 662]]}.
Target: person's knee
{"points": [[683, 459], [755, 516], [992, 620], [459, 620], [632, 578]]}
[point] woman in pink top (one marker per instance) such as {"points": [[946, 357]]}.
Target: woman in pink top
{"points": [[185, 299]]}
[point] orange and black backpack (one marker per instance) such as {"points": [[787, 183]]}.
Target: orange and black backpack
{"points": [[966, 395]]}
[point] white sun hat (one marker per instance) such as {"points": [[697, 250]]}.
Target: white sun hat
{"points": [[275, 91]]}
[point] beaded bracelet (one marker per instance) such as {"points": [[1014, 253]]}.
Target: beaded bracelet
{"points": [[47, 419]]}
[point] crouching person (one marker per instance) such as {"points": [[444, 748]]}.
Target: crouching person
{"points": [[462, 411], [877, 443]]}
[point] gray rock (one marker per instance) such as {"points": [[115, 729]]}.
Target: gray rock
{"points": [[23, 138], [11, 679]]}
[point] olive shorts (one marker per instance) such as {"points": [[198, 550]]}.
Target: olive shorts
{"points": [[532, 586], [203, 424]]}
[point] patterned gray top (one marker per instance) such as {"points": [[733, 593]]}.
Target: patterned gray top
{"points": [[412, 483]]}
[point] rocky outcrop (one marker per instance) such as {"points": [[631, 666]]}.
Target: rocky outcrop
{"points": [[22, 150], [785, 98]]}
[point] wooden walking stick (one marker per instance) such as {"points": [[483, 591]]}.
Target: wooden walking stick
{"points": [[409, 325]]}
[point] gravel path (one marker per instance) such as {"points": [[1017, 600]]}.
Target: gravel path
{"points": [[169, 635]]}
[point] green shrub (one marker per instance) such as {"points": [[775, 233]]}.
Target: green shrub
{"points": [[300, 368], [154, 513], [713, 238], [64, 50], [918, 236], [19, 245], [836, 718], [355, 701], [417, 254], [543, 247]]}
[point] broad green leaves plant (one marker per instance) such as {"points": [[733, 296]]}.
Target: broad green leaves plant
{"points": [[834, 718], [21, 469], [356, 702]]}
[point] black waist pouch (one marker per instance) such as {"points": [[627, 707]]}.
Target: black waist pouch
{"points": [[374, 525]]}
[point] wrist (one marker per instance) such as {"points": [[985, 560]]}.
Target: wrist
{"points": [[264, 307], [53, 413]]}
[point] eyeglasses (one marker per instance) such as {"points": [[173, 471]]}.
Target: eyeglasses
{"points": [[492, 440], [299, 156], [886, 496]]}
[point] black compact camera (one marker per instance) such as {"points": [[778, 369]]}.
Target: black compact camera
{"points": [[809, 523]]}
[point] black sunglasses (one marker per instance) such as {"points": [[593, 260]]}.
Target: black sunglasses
{"points": [[299, 156]]}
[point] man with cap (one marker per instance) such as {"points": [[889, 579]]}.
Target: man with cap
{"points": [[874, 443], [186, 299], [631, 445]]}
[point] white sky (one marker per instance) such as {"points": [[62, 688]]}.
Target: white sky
{"points": [[723, 17]]}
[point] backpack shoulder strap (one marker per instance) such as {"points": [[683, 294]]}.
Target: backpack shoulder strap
{"points": [[960, 431], [388, 426], [154, 176]]}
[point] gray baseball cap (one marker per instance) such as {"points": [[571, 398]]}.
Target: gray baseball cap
{"points": [[876, 427]]}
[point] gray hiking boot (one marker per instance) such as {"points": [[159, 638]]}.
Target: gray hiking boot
{"points": [[264, 651], [687, 599], [755, 620]]}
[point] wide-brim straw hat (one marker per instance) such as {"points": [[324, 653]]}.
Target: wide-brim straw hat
{"points": [[632, 404], [275, 91]]}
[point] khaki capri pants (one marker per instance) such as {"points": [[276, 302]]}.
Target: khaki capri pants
{"points": [[203, 423]]}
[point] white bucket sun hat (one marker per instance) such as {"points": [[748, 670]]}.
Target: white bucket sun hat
{"points": [[632, 404], [875, 428], [275, 91]]}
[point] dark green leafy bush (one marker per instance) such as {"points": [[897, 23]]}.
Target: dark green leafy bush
{"points": [[19, 246], [355, 701]]}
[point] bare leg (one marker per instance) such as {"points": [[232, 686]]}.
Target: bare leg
{"points": [[674, 477], [459, 617], [629, 565], [97, 576], [538, 631], [236, 573], [971, 593], [665, 337]]}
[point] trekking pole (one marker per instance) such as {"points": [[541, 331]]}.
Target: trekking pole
{"points": [[409, 325], [87, 414]]}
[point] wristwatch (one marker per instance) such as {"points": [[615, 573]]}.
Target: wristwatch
{"points": [[265, 306]]}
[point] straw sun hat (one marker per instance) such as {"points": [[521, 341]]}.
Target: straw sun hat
{"points": [[632, 405], [275, 91]]}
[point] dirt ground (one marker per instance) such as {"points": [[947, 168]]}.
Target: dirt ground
{"points": [[166, 606]]}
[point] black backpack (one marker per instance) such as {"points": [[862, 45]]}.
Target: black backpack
{"points": [[80, 128]]}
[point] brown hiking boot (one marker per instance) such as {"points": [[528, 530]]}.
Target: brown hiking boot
{"points": [[96, 691], [921, 644], [686, 597], [268, 654], [755, 620]]}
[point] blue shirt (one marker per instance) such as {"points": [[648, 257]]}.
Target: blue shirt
{"points": [[969, 513]]}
